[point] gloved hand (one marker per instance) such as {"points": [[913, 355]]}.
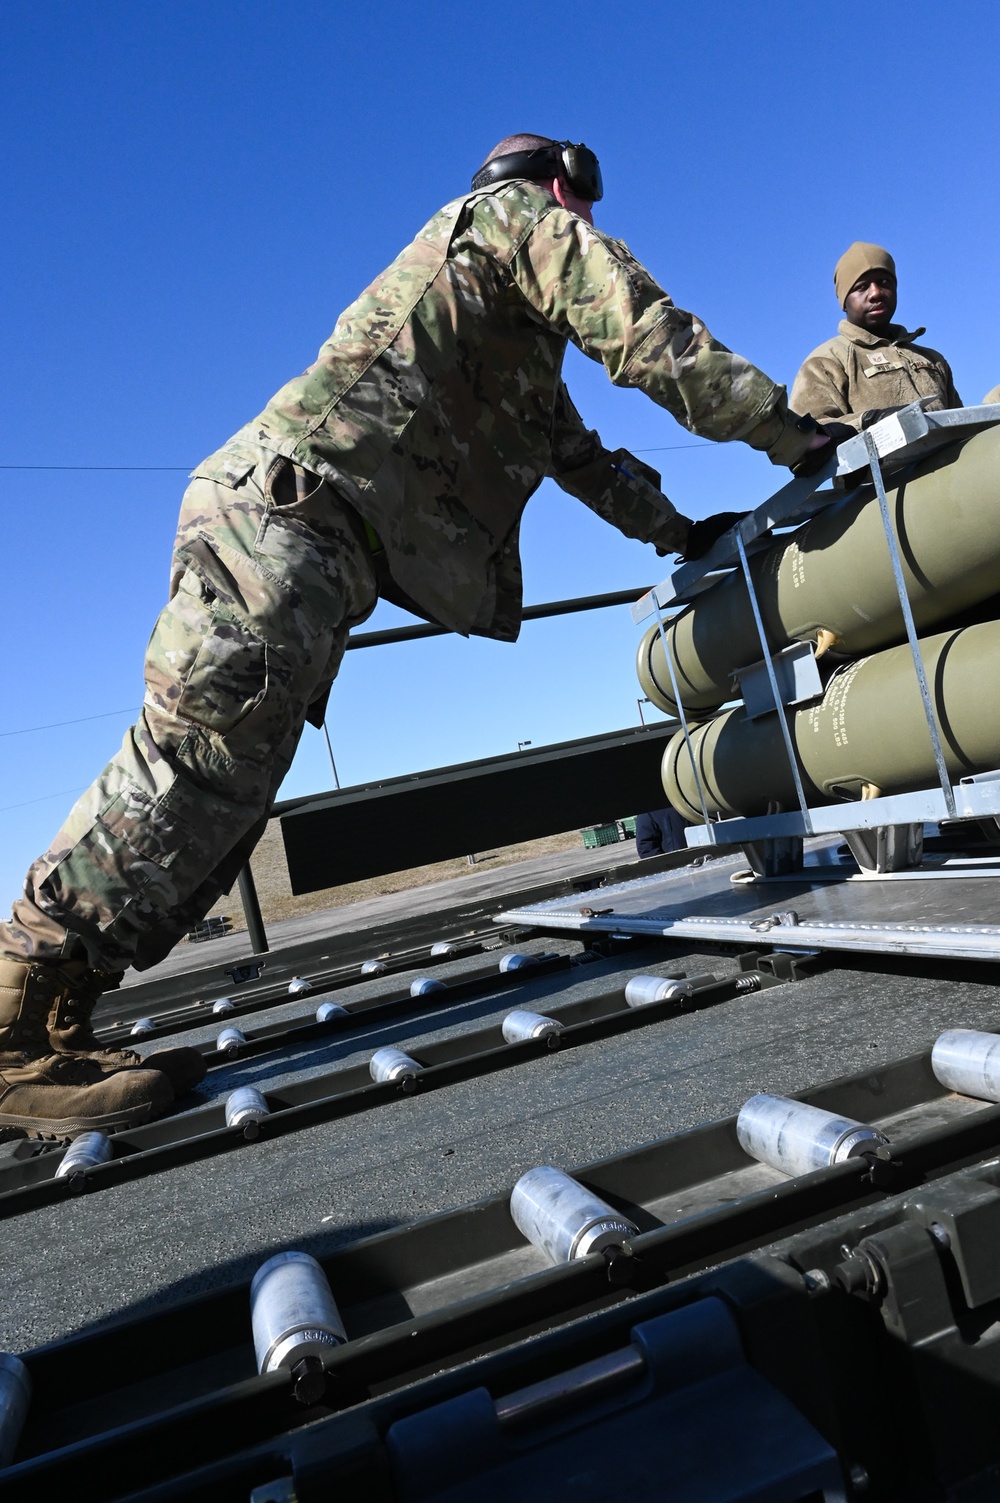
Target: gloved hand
{"points": [[875, 415], [708, 531], [817, 457]]}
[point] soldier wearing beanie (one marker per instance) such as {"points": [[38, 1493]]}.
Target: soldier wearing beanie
{"points": [[871, 366]]}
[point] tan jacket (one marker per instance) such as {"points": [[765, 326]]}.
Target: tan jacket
{"points": [[436, 407], [857, 371]]}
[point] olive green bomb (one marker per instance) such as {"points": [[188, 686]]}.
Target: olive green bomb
{"points": [[831, 581], [868, 734]]}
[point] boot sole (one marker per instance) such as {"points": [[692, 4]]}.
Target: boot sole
{"points": [[65, 1127]]}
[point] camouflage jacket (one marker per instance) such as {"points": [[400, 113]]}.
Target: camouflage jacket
{"points": [[437, 406], [857, 370]]}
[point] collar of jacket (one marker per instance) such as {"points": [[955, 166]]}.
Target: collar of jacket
{"points": [[896, 335]]}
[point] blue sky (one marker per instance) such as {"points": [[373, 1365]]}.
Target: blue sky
{"points": [[193, 192]]}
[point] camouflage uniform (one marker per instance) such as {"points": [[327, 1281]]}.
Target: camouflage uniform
{"points": [[402, 458], [859, 370]]}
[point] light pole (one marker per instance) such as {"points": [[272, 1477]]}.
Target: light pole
{"points": [[522, 744], [640, 703]]}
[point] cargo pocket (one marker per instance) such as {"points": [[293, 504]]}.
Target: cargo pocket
{"points": [[233, 662], [208, 674], [136, 822]]}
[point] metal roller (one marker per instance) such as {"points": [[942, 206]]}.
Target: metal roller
{"points": [[443, 947], [556, 1214], [868, 733], [517, 962], [521, 1024], [231, 1041], [327, 1010], [393, 1064], [831, 581], [85, 1152], [373, 968], [246, 1108], [295, 1320], [15, 1397], [968, 1062], [142, 1027], [424, 985], [222, 1007], [299, 987], [798, 1139], [642, 991]]}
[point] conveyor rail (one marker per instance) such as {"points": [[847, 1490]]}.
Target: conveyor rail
{"points": [[164, 1393], [27, 1178], [171, 1017]]}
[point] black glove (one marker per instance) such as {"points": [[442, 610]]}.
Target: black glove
{"points": [[876, 414], [815, 459], [708, 531]]}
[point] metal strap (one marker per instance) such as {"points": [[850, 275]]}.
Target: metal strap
{"points": [[911, 630], [793, 760], [680, 711]]}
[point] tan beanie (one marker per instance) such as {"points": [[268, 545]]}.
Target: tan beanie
{"points": [[856, 260]]}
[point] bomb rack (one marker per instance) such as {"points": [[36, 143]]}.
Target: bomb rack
{"points": [[883, 832]]}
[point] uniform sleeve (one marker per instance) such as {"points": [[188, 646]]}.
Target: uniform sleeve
{"points": [[952, 398], [647, 836], [594, 292], [617, 486], [821, 390]]}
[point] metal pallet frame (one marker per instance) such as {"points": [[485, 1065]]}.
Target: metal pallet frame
{"points": [[772, 841]]}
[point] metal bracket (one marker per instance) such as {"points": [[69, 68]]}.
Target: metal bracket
{"points": [[777, 857], [780, 966], [914, 431], [250, 971], [887, 848], [795, 673]]}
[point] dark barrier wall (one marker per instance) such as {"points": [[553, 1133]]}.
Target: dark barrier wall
{"points": [[453, 811]]}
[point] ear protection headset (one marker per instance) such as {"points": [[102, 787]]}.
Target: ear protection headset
{"points": [[576, 165]]}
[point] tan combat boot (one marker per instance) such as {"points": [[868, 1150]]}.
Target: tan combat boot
{"points": [[73, 989], [51, 1095]]}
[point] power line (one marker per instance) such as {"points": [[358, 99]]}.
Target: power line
{"points": [[65, 792], [58, 724], [671, 448]]}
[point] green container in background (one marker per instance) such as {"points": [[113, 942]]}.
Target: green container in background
{"points": [[595, 835]]}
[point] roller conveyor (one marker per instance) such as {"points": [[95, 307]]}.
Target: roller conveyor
{"points": [[418, 1299], [30, 1177], [174, 1014]]}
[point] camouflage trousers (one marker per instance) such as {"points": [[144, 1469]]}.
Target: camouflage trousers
{"points": [[270, 571]]}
